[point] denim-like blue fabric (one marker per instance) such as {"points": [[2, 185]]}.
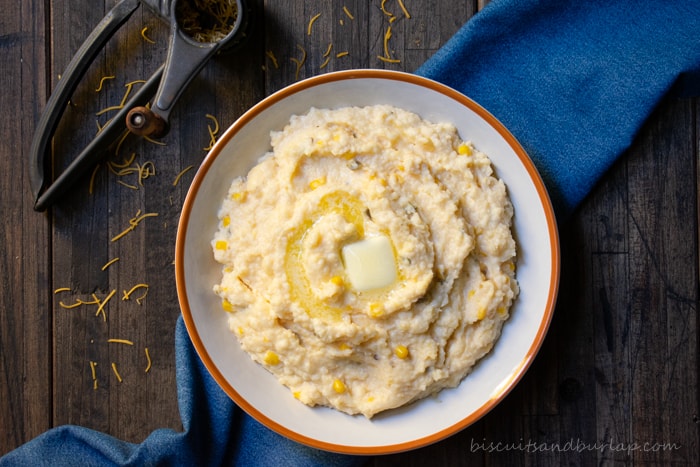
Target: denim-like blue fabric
{"points": [[573, 80]]}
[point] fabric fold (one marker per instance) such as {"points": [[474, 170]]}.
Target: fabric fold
{"points": [[573, 81]]}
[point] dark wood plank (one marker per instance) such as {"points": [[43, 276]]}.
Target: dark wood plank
{"points": [[85, 224], [25, 320], [663, 287]]}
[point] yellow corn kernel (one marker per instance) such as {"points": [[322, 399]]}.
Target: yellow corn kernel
{"points": [[464, 149], [271, 358], [296, 394], [481, 314], [370, 399], [337, 280], [377, 178], [239, 330], [227, 306], [313, 184], [501, 310], [401, 351], [339, 386], [221, 244], [376, 310], [344, 346], [226, 221], [471, 293], [238, 196]]}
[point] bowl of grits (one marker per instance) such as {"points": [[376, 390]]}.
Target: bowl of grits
{"points": [[367, 261]]}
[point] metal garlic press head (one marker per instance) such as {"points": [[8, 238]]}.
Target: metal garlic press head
{"points": [[199, 29]]}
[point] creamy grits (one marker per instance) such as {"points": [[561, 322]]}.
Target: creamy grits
{"points": [[368, 259]]}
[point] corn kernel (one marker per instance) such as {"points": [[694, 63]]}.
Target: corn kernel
{"points": [[239, 330], [370, 399], [471, 293], [221, 244], [401, 351], [313, 184], [481, 314], [376, 310], [271, 358], [337, 280], [464, 149], [501, 310], [226, 221], [238, 196], [296, 394], [339, 386], [378, 179], [227, 306], [344, 346]]}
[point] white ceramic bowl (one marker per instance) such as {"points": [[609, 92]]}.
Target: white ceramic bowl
{"points": [[428, 420]]}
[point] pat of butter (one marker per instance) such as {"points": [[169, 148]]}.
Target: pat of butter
{"points": [[370, 263]]}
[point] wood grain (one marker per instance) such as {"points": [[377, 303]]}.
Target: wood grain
{"points": [[619, 365], [25, 312]]}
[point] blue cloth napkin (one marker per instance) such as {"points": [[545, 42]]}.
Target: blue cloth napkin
{"points": [[573, 80]]}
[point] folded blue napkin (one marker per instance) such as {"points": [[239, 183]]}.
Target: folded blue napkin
{"points": [[573, 80]]}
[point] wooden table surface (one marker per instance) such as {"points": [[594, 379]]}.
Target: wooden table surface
{"points": [[617, 376]]}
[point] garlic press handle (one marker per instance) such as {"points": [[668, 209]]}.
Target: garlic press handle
{"points": [[184, 61], [60, 97], [186, 58]]}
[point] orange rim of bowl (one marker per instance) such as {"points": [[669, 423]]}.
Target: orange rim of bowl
{"points": [[515, 375]]}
